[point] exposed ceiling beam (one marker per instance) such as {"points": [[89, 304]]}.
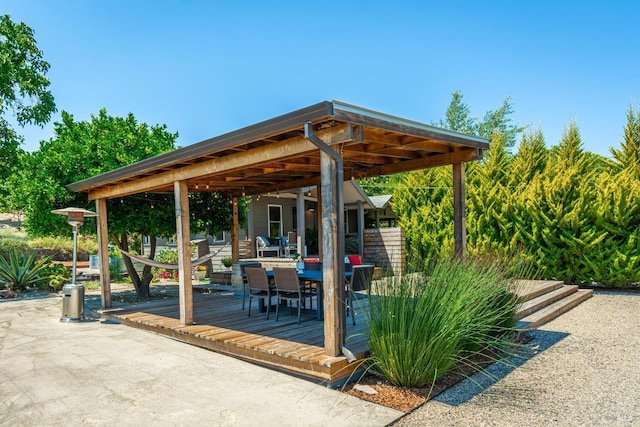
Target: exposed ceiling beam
{"points": [[294, 146]]}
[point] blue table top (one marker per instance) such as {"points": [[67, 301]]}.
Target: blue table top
{"points": [[313, 275]]}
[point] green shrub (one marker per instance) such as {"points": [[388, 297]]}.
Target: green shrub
{"points": [[57, 275], [167, 256], [61, 249], [423, 323], [58, 249], [13, 244], [19, 271]]}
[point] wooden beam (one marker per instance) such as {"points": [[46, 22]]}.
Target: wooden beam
{"points": [[103, 253], [263, 189], [223, 165], [459, 222], [465, 155], [183, 233]]}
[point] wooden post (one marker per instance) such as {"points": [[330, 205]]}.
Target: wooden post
{"points": [[319, 220], [332, 255], [459, 222], [235, 227], [183, 232], [103, 252]]}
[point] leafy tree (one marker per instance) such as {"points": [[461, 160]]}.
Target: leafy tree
{"points": [[458, 116], [499, 122], [380, 185], [628, 156], [423, 200], [83, 149], [23, 91]]}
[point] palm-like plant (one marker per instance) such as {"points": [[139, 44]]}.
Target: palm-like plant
{"points": [[21, 271]]}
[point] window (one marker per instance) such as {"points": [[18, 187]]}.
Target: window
{"points": [[218, 237], [275, 220], [350, 221], [294, 217]]}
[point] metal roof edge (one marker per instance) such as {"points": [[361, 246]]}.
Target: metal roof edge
{"points": [[351, 112], [296, 118], [361, 192]]}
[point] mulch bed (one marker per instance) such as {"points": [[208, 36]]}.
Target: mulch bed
{"points": [[407, 399]]}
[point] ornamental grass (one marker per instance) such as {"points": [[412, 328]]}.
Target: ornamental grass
{"points": [[423, 323]]}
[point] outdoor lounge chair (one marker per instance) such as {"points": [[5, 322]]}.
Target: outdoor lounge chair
{"points": [[263, 245], [288, 288], [258, 283]]}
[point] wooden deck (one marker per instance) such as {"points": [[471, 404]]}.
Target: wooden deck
{"points": [[222, 326]]}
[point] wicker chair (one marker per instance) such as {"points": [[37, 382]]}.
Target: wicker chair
{"points": [[288, 288], [243, 273], [258, 283]]}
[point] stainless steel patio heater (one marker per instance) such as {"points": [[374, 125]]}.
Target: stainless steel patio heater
{"points": [[73, 294]]}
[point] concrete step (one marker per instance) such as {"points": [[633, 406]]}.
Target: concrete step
{"points": [[530, 289], [538, 302], [550, 312]]}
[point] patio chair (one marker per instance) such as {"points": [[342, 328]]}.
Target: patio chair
{"points": [[292, 243], [288, 288], [263, 245], [361, 277], [243, 273], [259, 287]]}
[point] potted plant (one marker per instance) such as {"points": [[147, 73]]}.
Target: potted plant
{"points": [[200, 272], [115, 259], [299, 260], [227, 261], [94, 261]]}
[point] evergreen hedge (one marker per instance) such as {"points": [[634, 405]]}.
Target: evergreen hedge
{"points": [[573, 214]]}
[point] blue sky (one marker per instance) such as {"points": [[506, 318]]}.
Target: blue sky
{"points": [[204, 68]]}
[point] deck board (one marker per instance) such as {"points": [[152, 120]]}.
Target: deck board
{"points": [[221, 325]]}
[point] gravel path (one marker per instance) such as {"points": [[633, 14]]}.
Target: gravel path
{"points": [[585, 371]]}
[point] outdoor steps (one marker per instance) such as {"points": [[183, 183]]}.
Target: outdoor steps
{"points": [[542, 301]]}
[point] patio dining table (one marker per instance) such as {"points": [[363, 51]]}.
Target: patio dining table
{"points": [[317, 277]]}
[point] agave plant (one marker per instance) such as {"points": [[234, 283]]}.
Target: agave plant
{"points": [[21, 271]]}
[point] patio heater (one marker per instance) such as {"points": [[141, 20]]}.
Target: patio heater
{"points": [[73, 294]]}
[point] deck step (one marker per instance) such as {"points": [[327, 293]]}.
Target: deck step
{"points": [[554, 310], [537, 303], [530, 289]]}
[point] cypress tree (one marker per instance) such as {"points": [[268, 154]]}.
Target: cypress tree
{"points": [[628, 156]]}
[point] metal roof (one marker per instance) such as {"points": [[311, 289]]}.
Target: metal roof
{"points": [[274, 155]]}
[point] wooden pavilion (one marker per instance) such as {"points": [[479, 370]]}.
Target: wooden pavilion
{"points": [[321, 145]]}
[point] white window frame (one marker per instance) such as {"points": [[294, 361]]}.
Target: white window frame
{"points": [[269, 221]]}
